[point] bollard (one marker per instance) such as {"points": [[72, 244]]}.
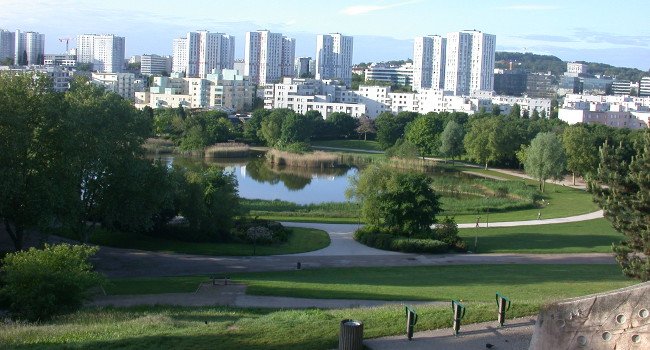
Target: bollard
{"points": [[351, 335], [298, 265], [502, 308], [411, 321], [459, 313]]}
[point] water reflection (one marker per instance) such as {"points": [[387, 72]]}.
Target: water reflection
{"points": [[259, 180]]}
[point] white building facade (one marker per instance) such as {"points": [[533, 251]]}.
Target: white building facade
{"points": [[155, 65], [614, 111], [469, 61], [7, 45], [104, 52], [334, 57], [200, 53], [268, 57], [429, 59], [123, 84], [29, 48]]}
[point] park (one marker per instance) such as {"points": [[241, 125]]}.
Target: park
{"points": [[217, 280]]}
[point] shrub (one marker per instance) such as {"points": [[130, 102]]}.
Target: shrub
{"points": [[447, 231], [419, 245], [41, 283], [276, 232]]}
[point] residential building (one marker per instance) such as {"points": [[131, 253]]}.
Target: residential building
{"points": [[614, 111], [200, 53], [122, 84], [526, 104], [469, 61], [7, 45], [575, 69], [644, 87], [402, 75], [240, 66], [621, 87], [104, 52], [429, 56], [334, 57], [29, 48], [301, 67], [268, 56], [60, 60], [540, 85], [155, 65], [59, 75], [511, 82], [228, 90]]}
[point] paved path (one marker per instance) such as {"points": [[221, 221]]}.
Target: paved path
{"points": [[515, 335], [577, 218], [235, 295]]}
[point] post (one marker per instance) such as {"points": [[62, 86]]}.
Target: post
{"points": [[411, 321], [459, 313], [503, 305]]}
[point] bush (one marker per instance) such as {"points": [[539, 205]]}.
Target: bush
{"points": [[41, 283], [419, 246], [278, 233], [447, 231]]}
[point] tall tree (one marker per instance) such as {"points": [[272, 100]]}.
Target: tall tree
{"points": [[545, 158], [580, 146], [342, 124], [366, 126], [515, 111], [451, 140], [424, 132], [31, 153], [622, 189]]}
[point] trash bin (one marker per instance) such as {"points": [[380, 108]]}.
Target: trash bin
{"points": [[351, 335]]}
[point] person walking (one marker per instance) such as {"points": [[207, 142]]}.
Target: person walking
{"points": [[478, 219]]}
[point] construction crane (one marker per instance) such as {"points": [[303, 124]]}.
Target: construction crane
{"points": [[67, 43]]}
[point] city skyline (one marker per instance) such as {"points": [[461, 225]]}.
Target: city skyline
{"points": [[382, 30]]}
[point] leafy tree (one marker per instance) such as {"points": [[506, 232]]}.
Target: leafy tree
{"points": [[295, 128], [622, 189], [545, 158], [451, 140], [43, 283], [271, 128], [581, 148], [401, 202], [391, 127], [105, 131], [543, 114], [342, 124], [535, 115], [515, 111], [32, 132], [525, 114], [496, 110], [424, 133], [494, 139], [366, 126], [254, 124]]}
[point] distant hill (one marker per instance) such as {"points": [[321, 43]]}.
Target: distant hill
{"points": [[546, 63]]}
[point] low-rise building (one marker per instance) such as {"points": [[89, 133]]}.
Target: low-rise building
{"points": [[227, 90], [615, 111], [402, 75], [60, 60], [155, 65], [60, 76], [123, 84]]}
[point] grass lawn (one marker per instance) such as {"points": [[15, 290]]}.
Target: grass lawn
{"points": [[300, 240], [592, 236], [528, 286], [351, 144]]}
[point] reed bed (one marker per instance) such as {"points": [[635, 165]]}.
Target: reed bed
{"points": [[305, 160], [158, 146], [227, 150]]}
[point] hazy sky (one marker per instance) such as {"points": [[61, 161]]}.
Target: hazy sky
{"points": [[614, 32]]}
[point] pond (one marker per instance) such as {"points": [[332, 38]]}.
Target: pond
{"points": [[259, 180]]}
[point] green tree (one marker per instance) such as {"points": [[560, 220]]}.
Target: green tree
{"points": [[295, 128], [391, 127], [105, 131], [424, 132], [254, 124], [32, 161], [496, 110], [342, 124], [494, 139], [535, 115], [41, 283], [622, 189], [271, 128], [451, 140], [545, 158], [580, 146], [515, 111]]}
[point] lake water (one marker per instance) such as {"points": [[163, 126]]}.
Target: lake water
{"points": [[258, 180]]}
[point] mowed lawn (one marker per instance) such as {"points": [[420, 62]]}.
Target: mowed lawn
{"points": [[300, 240], [349, 144], [591, 236]]}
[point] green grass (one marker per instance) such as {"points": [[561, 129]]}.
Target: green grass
{"points": [[351, 144], [300, 240], [528, 286], [591, 236], [224, 327]]}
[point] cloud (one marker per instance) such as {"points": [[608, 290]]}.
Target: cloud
{"points": [[530, 7], [363, 9], [596, 37], [550, 38]]}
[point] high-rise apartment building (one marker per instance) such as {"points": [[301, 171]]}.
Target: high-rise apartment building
{"points": [[334, 57], [200, 53], [155, 64], [469, 62], [429, 62], [105, 52], [7, 44], [301, 67], [268, 56], [29, 48]]}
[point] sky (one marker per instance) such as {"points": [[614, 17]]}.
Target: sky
{"points": [[613, 32]]}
